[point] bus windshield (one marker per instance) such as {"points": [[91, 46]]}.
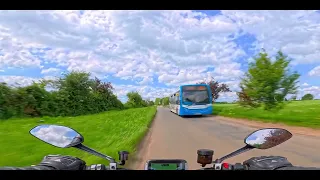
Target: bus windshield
{"points": [[195, 95]]}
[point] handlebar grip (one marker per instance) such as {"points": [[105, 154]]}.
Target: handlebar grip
{"points": [[97, 167], [239, 166], [101, 167], [235, 167]]}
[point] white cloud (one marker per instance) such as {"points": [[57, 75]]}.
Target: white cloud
{"points": [[171, 47], [295, 32], [315, 71], [22, 80], [56, 135], [228, 96], [314, 90], [147, 92], [129, 44], [258, 137], [50, 71], [18, 80], [305, 84]]}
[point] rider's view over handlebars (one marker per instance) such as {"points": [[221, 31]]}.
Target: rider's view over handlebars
{"points": [[65, 137], [160, 90]]}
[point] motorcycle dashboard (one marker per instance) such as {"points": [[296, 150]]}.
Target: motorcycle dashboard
{"points": [[166, 164]]}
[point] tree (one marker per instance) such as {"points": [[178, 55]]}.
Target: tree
{"points": [[135, 100], [35, 100], [8, 103], [245, 99], [274, 138], [216, 88], [149, 103], [157, 101], [74, 93], [293, 98], [307, 97], [165, 101], [268, 83]]}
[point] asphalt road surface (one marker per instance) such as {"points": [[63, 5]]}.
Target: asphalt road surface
{"points": [[175, 137]]}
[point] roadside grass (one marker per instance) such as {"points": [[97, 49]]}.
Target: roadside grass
{"points": [[107, 132], [295, 113]]}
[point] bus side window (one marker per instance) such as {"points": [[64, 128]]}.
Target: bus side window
{"points": [[173, 99], [177, 100]]}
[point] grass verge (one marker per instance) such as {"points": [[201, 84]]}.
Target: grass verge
{"points": [[295, 113], [106, 132]]}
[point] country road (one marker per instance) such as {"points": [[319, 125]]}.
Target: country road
{"points": [[174, 137]]}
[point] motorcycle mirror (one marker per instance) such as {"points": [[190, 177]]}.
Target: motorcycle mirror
{"points": [[260, 139], [64, 137], [59, 136], [267, 138]]}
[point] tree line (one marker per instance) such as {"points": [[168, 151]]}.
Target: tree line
{"points": [[267, 83], [162, 101], [73, 94], [135, 101]]}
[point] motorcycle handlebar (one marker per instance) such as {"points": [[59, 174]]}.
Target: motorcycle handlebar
{"points": [[101, 167], [225, 166]]}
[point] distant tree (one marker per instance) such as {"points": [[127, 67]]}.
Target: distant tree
{"points": [[150, 103], [165, 101], [268, 82], [293, 98], [307, 97], [135, 100], [157, 101], [216, 88]]}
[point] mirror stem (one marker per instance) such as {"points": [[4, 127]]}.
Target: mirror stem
{"points": [[122, 162], [94, 152], [235, 153]]}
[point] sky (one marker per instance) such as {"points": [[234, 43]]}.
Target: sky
{"points": [[59, 136], [153, 52], [258, 137]]}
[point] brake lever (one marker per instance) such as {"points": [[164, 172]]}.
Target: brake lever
{"points": [[227, 166], [206, 169], [101, 167], [97, 167]]}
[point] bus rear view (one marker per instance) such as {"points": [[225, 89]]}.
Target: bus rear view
{"points": [[195, 100]]}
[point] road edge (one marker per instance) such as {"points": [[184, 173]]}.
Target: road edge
{"points": [[259, 124], [141, 148]]}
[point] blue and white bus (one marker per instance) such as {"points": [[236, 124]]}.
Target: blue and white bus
{"points": [[195, 99]]}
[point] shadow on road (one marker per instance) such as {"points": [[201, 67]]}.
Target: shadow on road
{"points": [[198, 116]]}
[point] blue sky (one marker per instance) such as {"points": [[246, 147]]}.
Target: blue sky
{"points": [[155, 51]]}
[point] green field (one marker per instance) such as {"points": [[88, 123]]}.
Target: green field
{"points": [[295, 113], [106, 132]]}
